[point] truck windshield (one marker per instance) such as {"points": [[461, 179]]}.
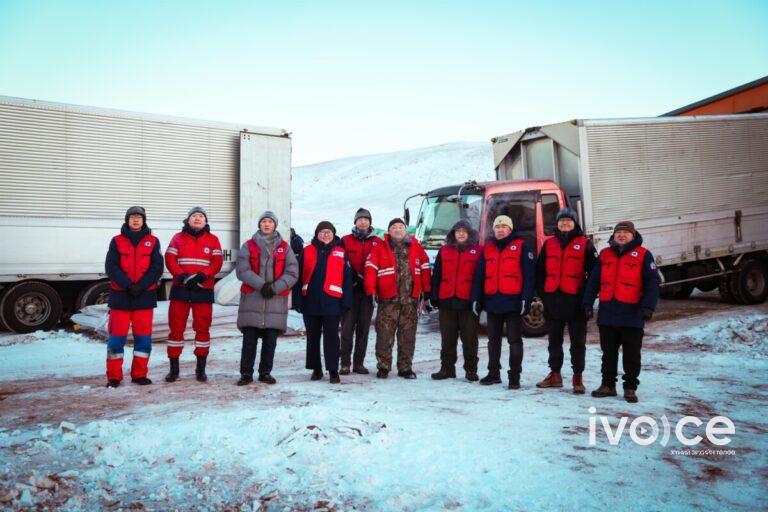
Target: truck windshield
{"points": [[438, 214]]}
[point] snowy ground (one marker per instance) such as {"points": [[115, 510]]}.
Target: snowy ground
{"points": [[67, 442]]}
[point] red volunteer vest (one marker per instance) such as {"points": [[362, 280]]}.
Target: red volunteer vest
{"points": [[279, 262], [621, 278], [565, 268], [334, 272], [458, 268], [358, 250], [503, 269], [134, 261]]}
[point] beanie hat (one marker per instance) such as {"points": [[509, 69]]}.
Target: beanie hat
{"points": [[325, 225], [268, 215], [197, 209], [136, 210], [503, 220], [568, 213], [396, 220], [625, 225], [364, 214]]}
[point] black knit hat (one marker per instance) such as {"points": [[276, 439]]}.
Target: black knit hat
{"points": [[325, 225], [362, 213], [396, 220], [136, 210], [568, 213]]}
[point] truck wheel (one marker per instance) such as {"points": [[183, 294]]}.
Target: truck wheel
{"points": [[30, 306], [724, 288], [750, 283], [534, 324], [3, 291], [94, 293]]}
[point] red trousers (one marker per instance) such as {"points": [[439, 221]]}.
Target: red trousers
{"points": [[119, 321], [202, 314]]}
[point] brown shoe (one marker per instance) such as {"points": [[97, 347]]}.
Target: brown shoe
{"points": [[578, 384], [344, 370], [553, 380], [630, 395], [604, 391], [362, 370]]}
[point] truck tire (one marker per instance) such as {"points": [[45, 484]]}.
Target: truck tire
{"points": [[3, 291], [707, 285], [30, 306], [750, 284], [534, 324], [94, 293], [724, 288]]}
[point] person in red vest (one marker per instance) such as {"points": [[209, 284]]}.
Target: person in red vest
{"points": [[562, 269], [268, 269], [626, 281], [134, 266], [397, 272], [503, 285], [356, 323], [326, 293], [452, 276], [194, 258]]}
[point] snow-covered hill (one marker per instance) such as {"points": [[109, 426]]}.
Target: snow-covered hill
{"points": [[335, 190]]}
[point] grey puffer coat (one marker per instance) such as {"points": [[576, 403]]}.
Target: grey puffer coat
{"points": [[254, 309]]}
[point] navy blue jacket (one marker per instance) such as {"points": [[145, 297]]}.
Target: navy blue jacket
{"points": [[619, 314], [297, 246], [500, 303], [316, 301], [119, 299]]}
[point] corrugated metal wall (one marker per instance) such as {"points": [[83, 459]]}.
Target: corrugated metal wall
{"points": [[74, 164], [652, 170]]}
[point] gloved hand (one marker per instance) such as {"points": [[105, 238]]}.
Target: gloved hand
{"points": [[477, 308], [646, 313], [266, 291], [589, 312], [182, 279], [435, 303], [134, 290], [194, 280]]}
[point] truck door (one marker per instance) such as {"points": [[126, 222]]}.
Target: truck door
{"points": [[521, 207]]}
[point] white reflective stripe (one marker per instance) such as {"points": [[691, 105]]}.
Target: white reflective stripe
{"points": [[425, 266], [173, 250], [175, 343], [193, 261], [112, 355], [369, 264], [386, 272], [305, 287], [202, 343], [145, 355], [335, 288], [216, 252]]}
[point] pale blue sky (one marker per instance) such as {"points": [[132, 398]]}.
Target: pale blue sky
{"points": [[351, 78]]}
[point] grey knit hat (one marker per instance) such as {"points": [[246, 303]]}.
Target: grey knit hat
{"points": [[136, 210], [362, 213], [268, 215], [197, 209], [625, 225]]}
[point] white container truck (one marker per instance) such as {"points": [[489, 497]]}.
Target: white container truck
{"points": [[695, 187], [69, 173]]}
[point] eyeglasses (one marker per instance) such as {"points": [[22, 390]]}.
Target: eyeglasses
{"points": [[325, 232]]}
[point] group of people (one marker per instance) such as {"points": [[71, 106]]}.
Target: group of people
{"points": [[334, 281]]}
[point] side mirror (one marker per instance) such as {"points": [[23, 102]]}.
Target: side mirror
{"points": [[407, 216]]}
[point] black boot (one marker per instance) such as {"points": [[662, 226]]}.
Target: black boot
{"points": [[142, 381], [493, 377], [407, 374], [445, 373], [244, 380], [472, 376], [173, 374], [200, 369], [317, 374], [267, 378], [514, 380], [113, 383], [382, 374], [335, 378]]}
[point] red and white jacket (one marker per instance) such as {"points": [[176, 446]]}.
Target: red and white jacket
{"points": [[188, 254], [381, 271], [358, 251]]}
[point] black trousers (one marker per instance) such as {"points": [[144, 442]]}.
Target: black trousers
{"points": [[631, 339], [514, 324], [251, 337], [455, 323], [355, 325], [577, 330], [327, 328]]}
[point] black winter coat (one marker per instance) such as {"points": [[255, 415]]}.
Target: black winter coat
{"points": [[316, 301], [559, 305], [120, 299]]}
